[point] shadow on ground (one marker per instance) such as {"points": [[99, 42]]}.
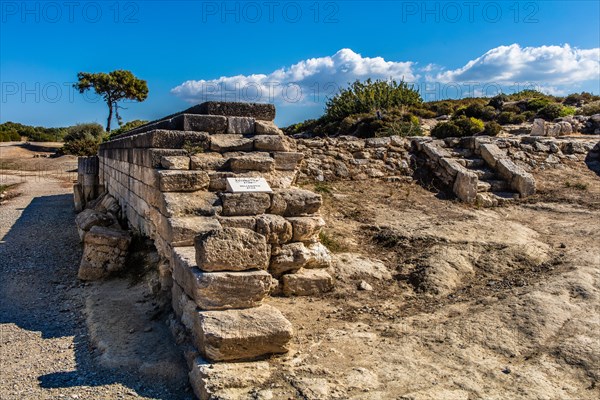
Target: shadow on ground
{"points": [[40, 292]]}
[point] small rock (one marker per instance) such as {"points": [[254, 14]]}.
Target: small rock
{"points": [[364, 286]]}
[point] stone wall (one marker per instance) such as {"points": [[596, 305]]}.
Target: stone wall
{"points": [[223, 252]]}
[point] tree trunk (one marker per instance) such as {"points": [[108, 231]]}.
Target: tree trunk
{"points": [[110, 115]]}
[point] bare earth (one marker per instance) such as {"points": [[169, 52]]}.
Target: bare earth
{"points": [[466, 303]]}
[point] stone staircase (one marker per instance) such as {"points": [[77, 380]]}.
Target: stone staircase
{"points": [[476, 170]]}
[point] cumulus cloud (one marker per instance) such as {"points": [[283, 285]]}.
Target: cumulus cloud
{"points": [[309, 81], [506, 65], [553, 69]]}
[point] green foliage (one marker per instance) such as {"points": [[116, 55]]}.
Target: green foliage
{"points": [[498, 101], [537, 104], [591, 108], [528, 94], [446, 129], [509, 117], [9, 136], [477, 110], [322, 188], [400, 128], [576, 185], [469, 125], [579, 99], [369, 97], [551, 111], [127, 126], [423, 112], [87, 146], [33, 133], [113, 87], [83, 131], [567, 111], [492, 128], [330, 241]]}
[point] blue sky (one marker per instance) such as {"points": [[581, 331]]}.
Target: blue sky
{"points": [[298, 52]]}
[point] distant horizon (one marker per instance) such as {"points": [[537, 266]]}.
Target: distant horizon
{"points": [[294, 55]]}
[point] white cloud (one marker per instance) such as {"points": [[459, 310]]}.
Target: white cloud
{"points": [[551, 65], [308, 81]]}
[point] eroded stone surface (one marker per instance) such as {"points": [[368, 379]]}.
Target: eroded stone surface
{"points": [[231, 249]]}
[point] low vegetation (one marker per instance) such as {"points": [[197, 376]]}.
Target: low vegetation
{"points": [[386, 108]]}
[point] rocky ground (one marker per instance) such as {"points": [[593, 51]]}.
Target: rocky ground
{"points": [[435, 299]]}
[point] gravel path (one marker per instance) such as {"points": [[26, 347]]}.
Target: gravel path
{"points": [[44, 347]]}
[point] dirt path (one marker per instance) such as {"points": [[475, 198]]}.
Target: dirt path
{"points": [[45, 351]]}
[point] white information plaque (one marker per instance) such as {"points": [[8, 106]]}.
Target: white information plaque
{"points": [[248, 185]]}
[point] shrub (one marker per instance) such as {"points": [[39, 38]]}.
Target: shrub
{"points": [[87, 146], [446, 129], [551, 111], [537, 104], [82, 131], [498, 101], [485, 113], [423, 112], [369, 96], [492, 129], [509, 117], [469, 126], [591, 108], [400, 128], [567, 111], [528, 94]]}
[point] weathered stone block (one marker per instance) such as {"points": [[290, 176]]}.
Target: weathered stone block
{"points": [[231, 249], [218, 290], [491, 154], [218, 180], [89, 218], [238, 222], [465, 186], [307, 282], [435, 152], [213, 124], [247, 334], [251, 163], [168, 139], [208, 161], [227, 380], [306, 229], [182, 231], [258, 111], [178, 204], [240, 125], [227, 143], [267, 128], [182, 181], [274, 228], [538, 128], [287, 161], [451, 166], [238, 204], [175, 162], [274, 143], [104, 252], [295, 202]]}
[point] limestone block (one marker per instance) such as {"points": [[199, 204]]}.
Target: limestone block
{"points": [[491, 153], [218, 290], [175, 162], [227, 143], [251, 163], [238, 222], [213, 124], [306, 229], [231, 249], [177, 204], [259, 111], [435, 152], [307, 282], [86, 219], [451, 166], [276, 229], [104, 252], [539, 127], [295, 202], [274, 143], [227, 380], [182, 181], [181, 231], [287, 161], [208, 161], [267, 128], [281, 179], [218, 180], [236, 335], [465, 186], [240, 125], [169, 139], [238, 204]]}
